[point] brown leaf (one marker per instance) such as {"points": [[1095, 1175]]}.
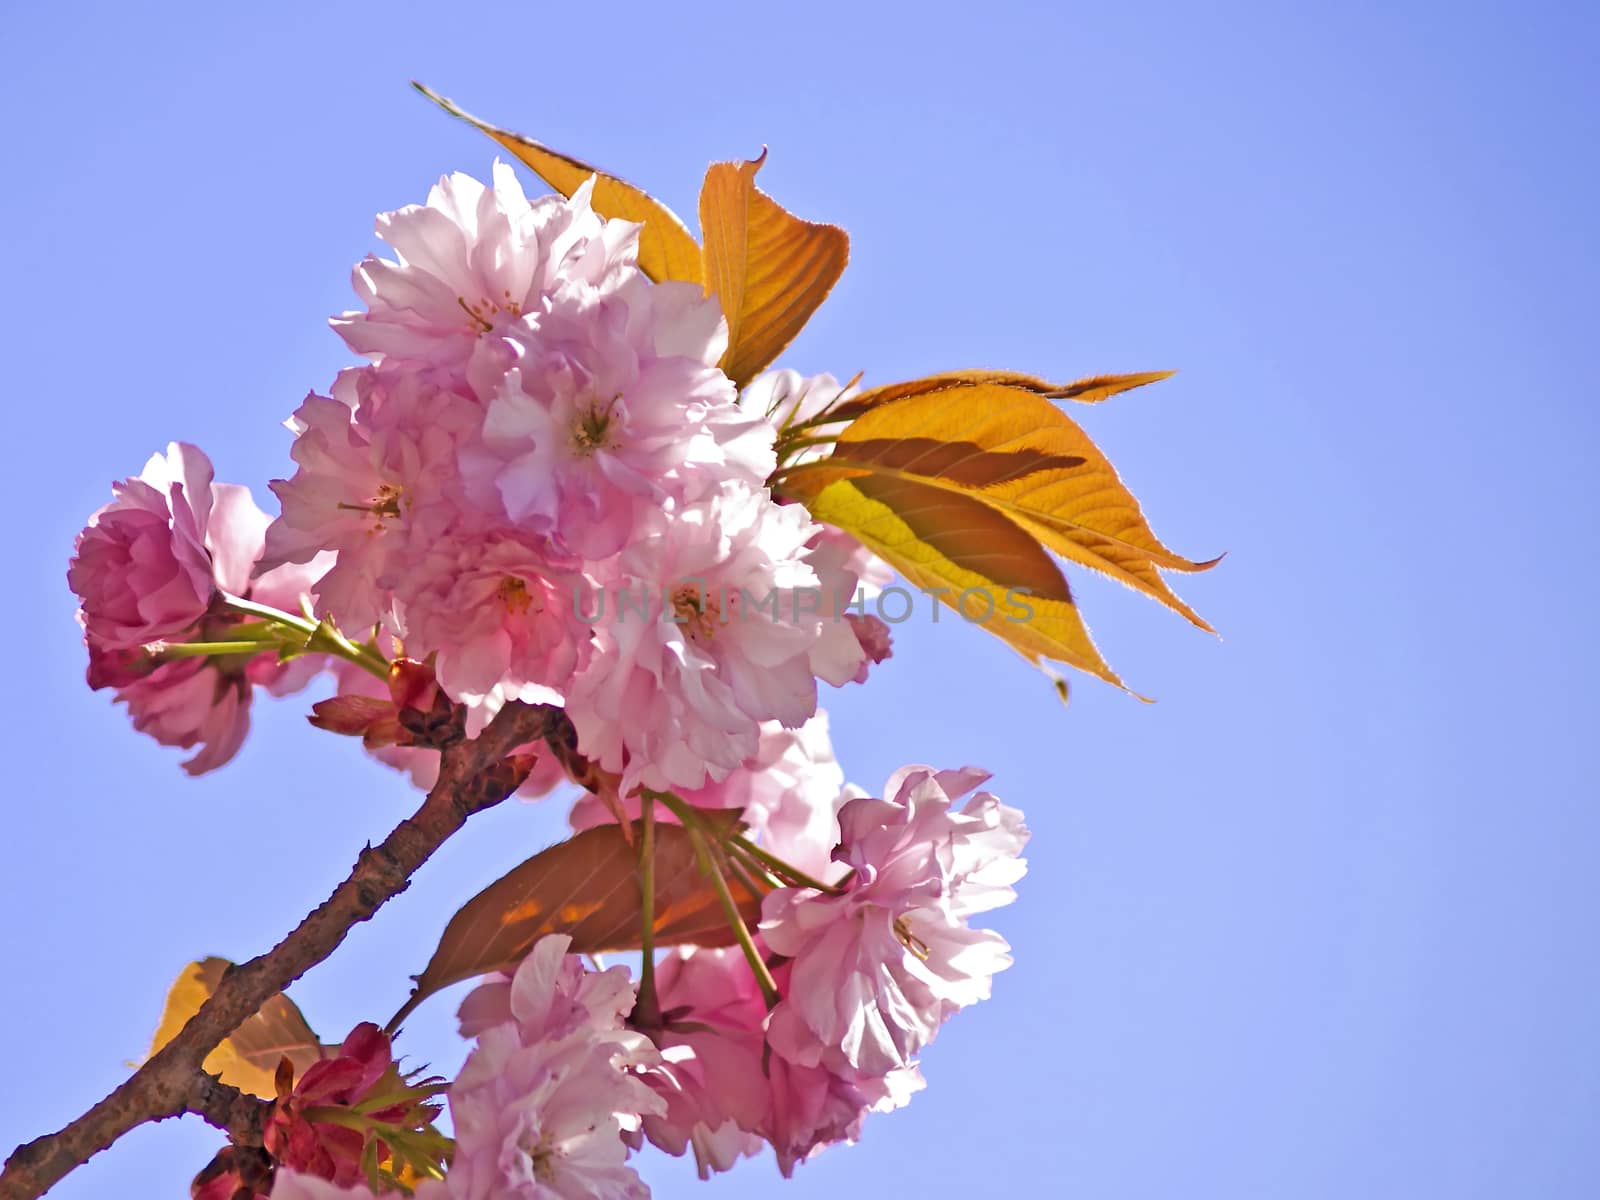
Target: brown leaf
{"points": [[249, 1056], [667, 250], [587, 887], [769, 269]]}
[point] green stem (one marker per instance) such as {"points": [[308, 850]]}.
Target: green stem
{"points": [[206, 649], [686, 813], [741, 931], [266, 612], [647, 1011], [826, 417], [690, 817], [804, 443], [319, 635], [737, 868], [779, 867], [768, 878]]}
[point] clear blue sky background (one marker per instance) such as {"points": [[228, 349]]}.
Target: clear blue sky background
{"points": [[1321, 923]]}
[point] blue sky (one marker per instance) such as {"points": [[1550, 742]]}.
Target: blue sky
{"points": [[1320, 923]]}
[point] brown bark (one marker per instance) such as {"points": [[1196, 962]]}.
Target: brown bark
{"points": [[473, 775], [241, 1116]]}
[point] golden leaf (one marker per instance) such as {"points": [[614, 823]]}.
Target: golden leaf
{"points": [[1011, 449], [1100, 387], [248, 1057], [976, 475], [971, 557], [667, 250], [768, 268], [1088, 391]]}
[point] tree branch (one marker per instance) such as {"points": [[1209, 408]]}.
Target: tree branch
{"points": [[241, 1116], [473, 775]]}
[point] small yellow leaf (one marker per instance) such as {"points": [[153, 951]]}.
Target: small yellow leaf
{"points": [[667, 250], [248, 1057], [768, 268], [974, 559]]}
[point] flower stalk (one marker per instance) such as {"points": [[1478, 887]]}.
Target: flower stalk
{"points": [[309, 636], [647, 1010], [730, 909]]}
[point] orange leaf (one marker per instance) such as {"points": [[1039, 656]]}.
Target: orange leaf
{"points": [[1087, 391], [1101, 387], [588, 887], [667, 250], [972, 558], [769, 269], [1016, 452], [248, 1057]]}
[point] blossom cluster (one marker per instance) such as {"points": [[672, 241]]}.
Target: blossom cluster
{"points": [[565, 1077], [539, 487], [540, 426]]}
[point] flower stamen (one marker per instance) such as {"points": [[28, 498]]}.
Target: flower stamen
{"points": [[483, 323], [385, 505], [696, 611], [909, 940], [514, 595], [593, 425]]}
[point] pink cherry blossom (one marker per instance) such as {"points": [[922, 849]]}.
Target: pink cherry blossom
{"points": [[473, 263], [551, 995], [616, 405], [848, 574], [376, 467], [878, 968], [542, 1105], [545, 1122], [151, 569], [820, 1106], [150, 565], [708, 627], [873, 636], [142, 568], [721, 1086], [198, 701], [497, 609], [189, 702], [710, 1075]]}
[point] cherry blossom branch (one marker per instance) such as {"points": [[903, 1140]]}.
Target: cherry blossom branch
{"points": [[240, 1115], [473, 775]]}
